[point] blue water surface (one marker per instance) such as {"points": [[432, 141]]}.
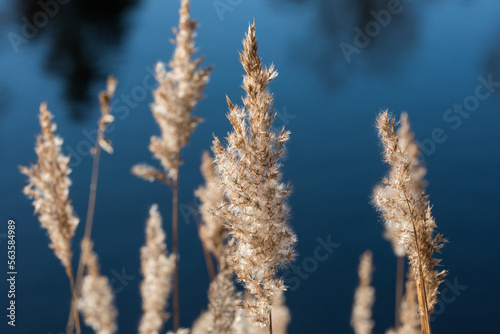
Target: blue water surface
{"points": [[426, 57]]}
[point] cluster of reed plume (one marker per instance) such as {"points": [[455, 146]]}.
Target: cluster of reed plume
{"points": [[244, 210]]}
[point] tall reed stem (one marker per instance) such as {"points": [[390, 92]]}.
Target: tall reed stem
{"points": [[73, 316], [400, 273], [208, 257], [175, 249], [421, 293], [73, 311], [270, 323]]}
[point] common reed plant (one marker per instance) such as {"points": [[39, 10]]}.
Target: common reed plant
{"points": [[249, 169], [48, 187], [157, 269], [364, 297], [180, 88], [102, 143], [402, 202]]}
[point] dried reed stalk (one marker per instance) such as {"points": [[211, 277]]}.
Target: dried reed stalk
{"points": [[97, 300], [48, 186], [402, 202], [364, 297], [180, 89], [256, 213], [102, 142]]}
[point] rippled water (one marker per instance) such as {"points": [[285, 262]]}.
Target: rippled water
{"points": [[426, 57]]}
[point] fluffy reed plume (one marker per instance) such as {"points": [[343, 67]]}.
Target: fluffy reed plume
{"points": [[97, 300], [212, 231], [157, 269], [48, 186], [249, 169], [223, 301], [364, 297], [402, 202], [180, 89]]}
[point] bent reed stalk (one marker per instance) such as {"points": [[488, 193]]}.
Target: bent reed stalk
{"points": [[102, 142]]}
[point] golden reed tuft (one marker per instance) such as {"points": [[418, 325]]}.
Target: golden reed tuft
{"points": [[257, 211], [157, 269], [180, 88], [48, 186], [97, 300]]}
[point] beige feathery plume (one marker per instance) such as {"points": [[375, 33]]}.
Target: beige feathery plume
{"points": [[180, 89], [97, 300], [48, 186], [157, 269], [418, 171], [212, 231], [364, 297], [249, 170], [223, 302], [402, 202]]}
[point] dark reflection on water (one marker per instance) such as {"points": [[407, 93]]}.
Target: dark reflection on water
{"points": [[387, 39], [82, 37], [426, 59]]}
